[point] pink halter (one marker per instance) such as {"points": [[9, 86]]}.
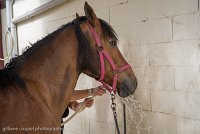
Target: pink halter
{"points": [[102, 54]]}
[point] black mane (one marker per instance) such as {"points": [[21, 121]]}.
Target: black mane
{"points": [[9, 75]]}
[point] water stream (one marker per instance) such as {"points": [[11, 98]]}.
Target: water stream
{"points": [[137, 114]]}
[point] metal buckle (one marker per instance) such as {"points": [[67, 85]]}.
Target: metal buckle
{"points": [[116, 71], [100, 48]]}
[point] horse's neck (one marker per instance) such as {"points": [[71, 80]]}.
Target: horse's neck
{"points": [[52, 72]]}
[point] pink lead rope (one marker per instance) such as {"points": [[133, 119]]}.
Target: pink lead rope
{"points": [[102, 54]]}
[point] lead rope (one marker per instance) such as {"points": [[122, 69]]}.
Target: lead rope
{"points": [[113, 107]]}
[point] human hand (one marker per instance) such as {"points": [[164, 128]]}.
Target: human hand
{"points": [[99, 91], [88, 102]]}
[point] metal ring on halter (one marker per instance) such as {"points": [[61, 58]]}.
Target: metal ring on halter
{"points": [[100, 48], [112, 96], [116, 71], [12, 41]]}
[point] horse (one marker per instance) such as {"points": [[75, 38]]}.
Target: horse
{"points": [[36, 86]]}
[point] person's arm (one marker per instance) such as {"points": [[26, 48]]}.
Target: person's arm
{"points": [[76, 106], [80, 94], [73, 105]]}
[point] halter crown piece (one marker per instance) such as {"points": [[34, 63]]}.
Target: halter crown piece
{"points": [[102, 54]]}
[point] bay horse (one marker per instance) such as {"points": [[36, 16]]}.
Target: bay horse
{"points": [[35, 87]]}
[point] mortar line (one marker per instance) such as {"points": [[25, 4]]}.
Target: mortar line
{"points": [[174, 75], [172, 21]]}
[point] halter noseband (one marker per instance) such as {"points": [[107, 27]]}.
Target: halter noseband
{"points": [[102, 54]]}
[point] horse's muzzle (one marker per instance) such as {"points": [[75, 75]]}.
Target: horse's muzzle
{"points": [[127, 87]]}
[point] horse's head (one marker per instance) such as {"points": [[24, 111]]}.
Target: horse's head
{"points": [[105, 42]]}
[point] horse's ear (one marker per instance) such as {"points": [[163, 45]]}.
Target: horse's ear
{"points": [[77, 15], [90, 14]]}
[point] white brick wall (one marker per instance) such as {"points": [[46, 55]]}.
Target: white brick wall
{"points": [[187, 26], [187, 126], [187, 78], [183, 104], [159, 38], [167, 8], [162, 123], [166, 82]]}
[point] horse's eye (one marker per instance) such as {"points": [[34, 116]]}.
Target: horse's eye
{"points": [[113, 43]]}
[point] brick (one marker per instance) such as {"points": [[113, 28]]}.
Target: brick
{"points": [[186, 53], [182, 104], [131, 35], [159, 31], [162, 54], [188, 126], [165, 8], [162, 78], [175, 53], [162, 123], [128, 13], [145, 32], [187, 78], [99, 128], [186, 26]]}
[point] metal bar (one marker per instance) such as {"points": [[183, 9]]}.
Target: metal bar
{"points": [[37, 10], [1, 44], [11, 28], [124, 112]]}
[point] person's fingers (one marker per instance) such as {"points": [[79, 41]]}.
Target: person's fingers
{"points": [[103, 91], [99, 91], [88, 101], [89, 104], [102, 88]]}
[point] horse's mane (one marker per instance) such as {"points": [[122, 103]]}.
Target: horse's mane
{"points": [[9, 75]]}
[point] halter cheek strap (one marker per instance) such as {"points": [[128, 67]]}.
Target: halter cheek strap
{"points": [[102, 55]]}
